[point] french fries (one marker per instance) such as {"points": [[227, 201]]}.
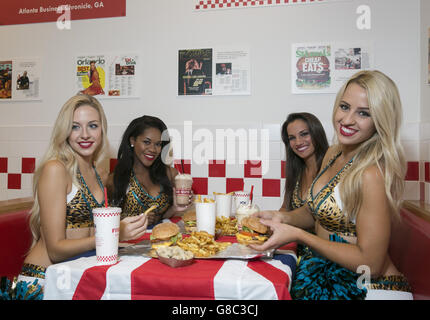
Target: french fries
{"points": [[227, 226], [223, 194], [205, 200], [150, 209], [202, 244]]}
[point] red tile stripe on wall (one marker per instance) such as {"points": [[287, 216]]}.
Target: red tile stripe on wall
{"points": [[14, 178], [427, 172], [3, 165], [413, 171], [216, 169]]}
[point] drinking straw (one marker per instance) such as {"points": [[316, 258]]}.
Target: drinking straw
{"points": [[106, 199], [250, 196], [182, 165], [178, 168]]}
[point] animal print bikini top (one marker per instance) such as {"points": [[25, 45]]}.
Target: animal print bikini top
{"points": [[80, 203], [138, 200], [326, 206], [296, 200]]}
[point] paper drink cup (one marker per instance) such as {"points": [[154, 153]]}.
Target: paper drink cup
{"points": [[206, 217], [183, 185], [241, 198], [244, 211], [106, 222], [223, 205]]}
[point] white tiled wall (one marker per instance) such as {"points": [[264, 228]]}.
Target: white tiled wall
{"points": [[19, 142]]}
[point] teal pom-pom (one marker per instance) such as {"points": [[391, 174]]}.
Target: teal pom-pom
{"points": [[20, 290], [5, 289], [320, 279]]}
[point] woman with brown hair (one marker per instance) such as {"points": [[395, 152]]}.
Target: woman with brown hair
{"points": [[353, 199], [305, 146]]}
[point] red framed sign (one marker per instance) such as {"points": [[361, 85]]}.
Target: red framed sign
{"points": [[32, 11]]}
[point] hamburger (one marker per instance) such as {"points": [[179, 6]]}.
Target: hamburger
{"points": [[253, 231], [164, 235], [190, 219]]}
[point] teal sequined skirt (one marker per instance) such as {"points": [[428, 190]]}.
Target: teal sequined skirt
{"points": [[320, 279]]}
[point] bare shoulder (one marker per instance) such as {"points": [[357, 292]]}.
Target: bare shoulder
{"points": [[54, 168], [372, 176], [54, 177], [373, 182], [375, 209]]}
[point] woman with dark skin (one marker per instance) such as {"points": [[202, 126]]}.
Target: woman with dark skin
{"points": [[141, 178]]}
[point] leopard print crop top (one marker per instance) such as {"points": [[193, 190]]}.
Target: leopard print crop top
{"points": [[137, 200], [326, 205], [296, 200], [80, 203]]}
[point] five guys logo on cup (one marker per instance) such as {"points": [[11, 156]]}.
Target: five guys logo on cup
{"points": [[183, 191], [106, 224], [183, 184]]}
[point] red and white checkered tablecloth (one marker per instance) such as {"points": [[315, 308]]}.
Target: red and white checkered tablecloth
{"points": [[139, 277]]}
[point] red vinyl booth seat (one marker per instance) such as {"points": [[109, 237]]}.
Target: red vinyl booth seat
{"points": [[410, 252], [15, 240]]}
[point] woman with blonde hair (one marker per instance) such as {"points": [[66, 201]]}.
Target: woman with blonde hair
{"points": [[66, 188], [352, 200]]}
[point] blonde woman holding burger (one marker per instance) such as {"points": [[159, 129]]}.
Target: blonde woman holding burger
{"points": [[352, 200]]}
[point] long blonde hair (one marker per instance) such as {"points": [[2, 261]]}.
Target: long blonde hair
{"points": [[383, 149], [60, 149]]}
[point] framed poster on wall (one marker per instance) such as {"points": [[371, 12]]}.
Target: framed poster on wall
{"points": [[214, 72], [20, 79], [324, 67], [428, 48], [107, 75]]}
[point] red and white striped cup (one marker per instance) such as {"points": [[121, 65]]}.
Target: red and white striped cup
{"points": [[106, 223]]}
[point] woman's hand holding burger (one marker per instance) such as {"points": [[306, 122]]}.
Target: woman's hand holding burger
{"points": [[274, 216], [282, 234]]}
